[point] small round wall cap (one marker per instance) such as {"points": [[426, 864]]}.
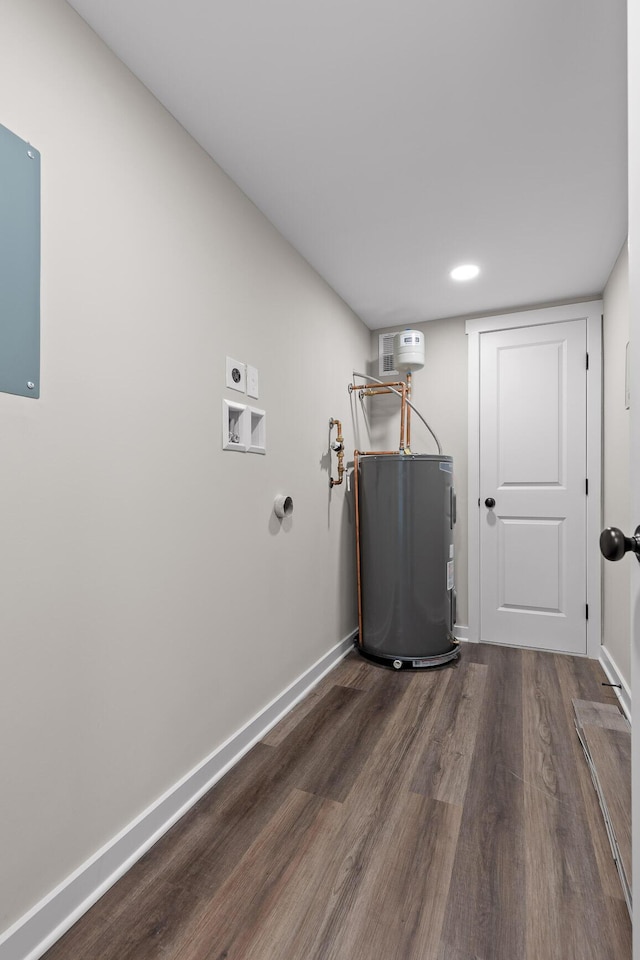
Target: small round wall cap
{"points": [[283, 506]]}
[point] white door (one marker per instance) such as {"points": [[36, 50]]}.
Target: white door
{"points": [[533, 470]]}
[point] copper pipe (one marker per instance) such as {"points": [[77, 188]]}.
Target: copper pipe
{"points": [[374, 391], [356, 454], [377, 453], [408, 410], [403, 417], [415, 409], [376, 386], [339, 449]]}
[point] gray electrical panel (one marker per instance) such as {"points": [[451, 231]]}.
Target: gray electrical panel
{"points": [[407, 515], [19, 266]]}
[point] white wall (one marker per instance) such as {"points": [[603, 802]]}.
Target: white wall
{"points": [[616, 489], [150, 602], [439, 391]]}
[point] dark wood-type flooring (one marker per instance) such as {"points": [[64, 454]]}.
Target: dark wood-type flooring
{"points": [[605, 735], [417, 815]]}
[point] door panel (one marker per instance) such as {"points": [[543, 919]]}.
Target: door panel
{"points": [[518, 540], [529, 429], [533, 463]]}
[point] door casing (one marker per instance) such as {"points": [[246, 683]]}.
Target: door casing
{"points": [[591, 311], [633, 61]]}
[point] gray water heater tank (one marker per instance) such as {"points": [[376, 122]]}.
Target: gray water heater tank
{"points": [[407, 514]]}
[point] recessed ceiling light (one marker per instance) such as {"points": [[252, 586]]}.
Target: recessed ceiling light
{"points": [[466, 272]]}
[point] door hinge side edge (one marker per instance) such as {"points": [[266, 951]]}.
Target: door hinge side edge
{"points": [[586, 611], [586, 486]]}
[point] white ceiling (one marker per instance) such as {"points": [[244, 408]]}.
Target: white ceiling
{"points": [[390, 140]]}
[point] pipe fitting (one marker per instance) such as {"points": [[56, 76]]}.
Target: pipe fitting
{"points": [[283, 506], [338, 447]]}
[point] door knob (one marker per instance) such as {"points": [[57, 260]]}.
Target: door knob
{"points": [[614, 544], [490, 502]]}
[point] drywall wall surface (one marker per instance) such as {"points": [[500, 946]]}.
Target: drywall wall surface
{"points": [[439, 391], [151, 602], [616, 633]]}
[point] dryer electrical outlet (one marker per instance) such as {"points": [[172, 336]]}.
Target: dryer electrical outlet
{"points": [[236, 375]]}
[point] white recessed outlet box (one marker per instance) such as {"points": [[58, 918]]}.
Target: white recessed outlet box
{"points": [[258, 431], [252, 382], [236, 375], [236, 425]]}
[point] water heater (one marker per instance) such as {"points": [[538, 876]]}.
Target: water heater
{"points": [[408, 351], [406, 509]]}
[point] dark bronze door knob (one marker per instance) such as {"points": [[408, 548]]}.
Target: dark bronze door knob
{"points": [[614, 544]]}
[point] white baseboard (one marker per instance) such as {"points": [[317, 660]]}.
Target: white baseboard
{"points": [[461, 632], [35, 932], [623, 692]]}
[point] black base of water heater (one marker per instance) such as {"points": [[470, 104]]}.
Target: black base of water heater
{"points": [[414, 663]]}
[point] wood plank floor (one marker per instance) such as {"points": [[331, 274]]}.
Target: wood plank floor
{"points": [[606, 739], [434, 815]]}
